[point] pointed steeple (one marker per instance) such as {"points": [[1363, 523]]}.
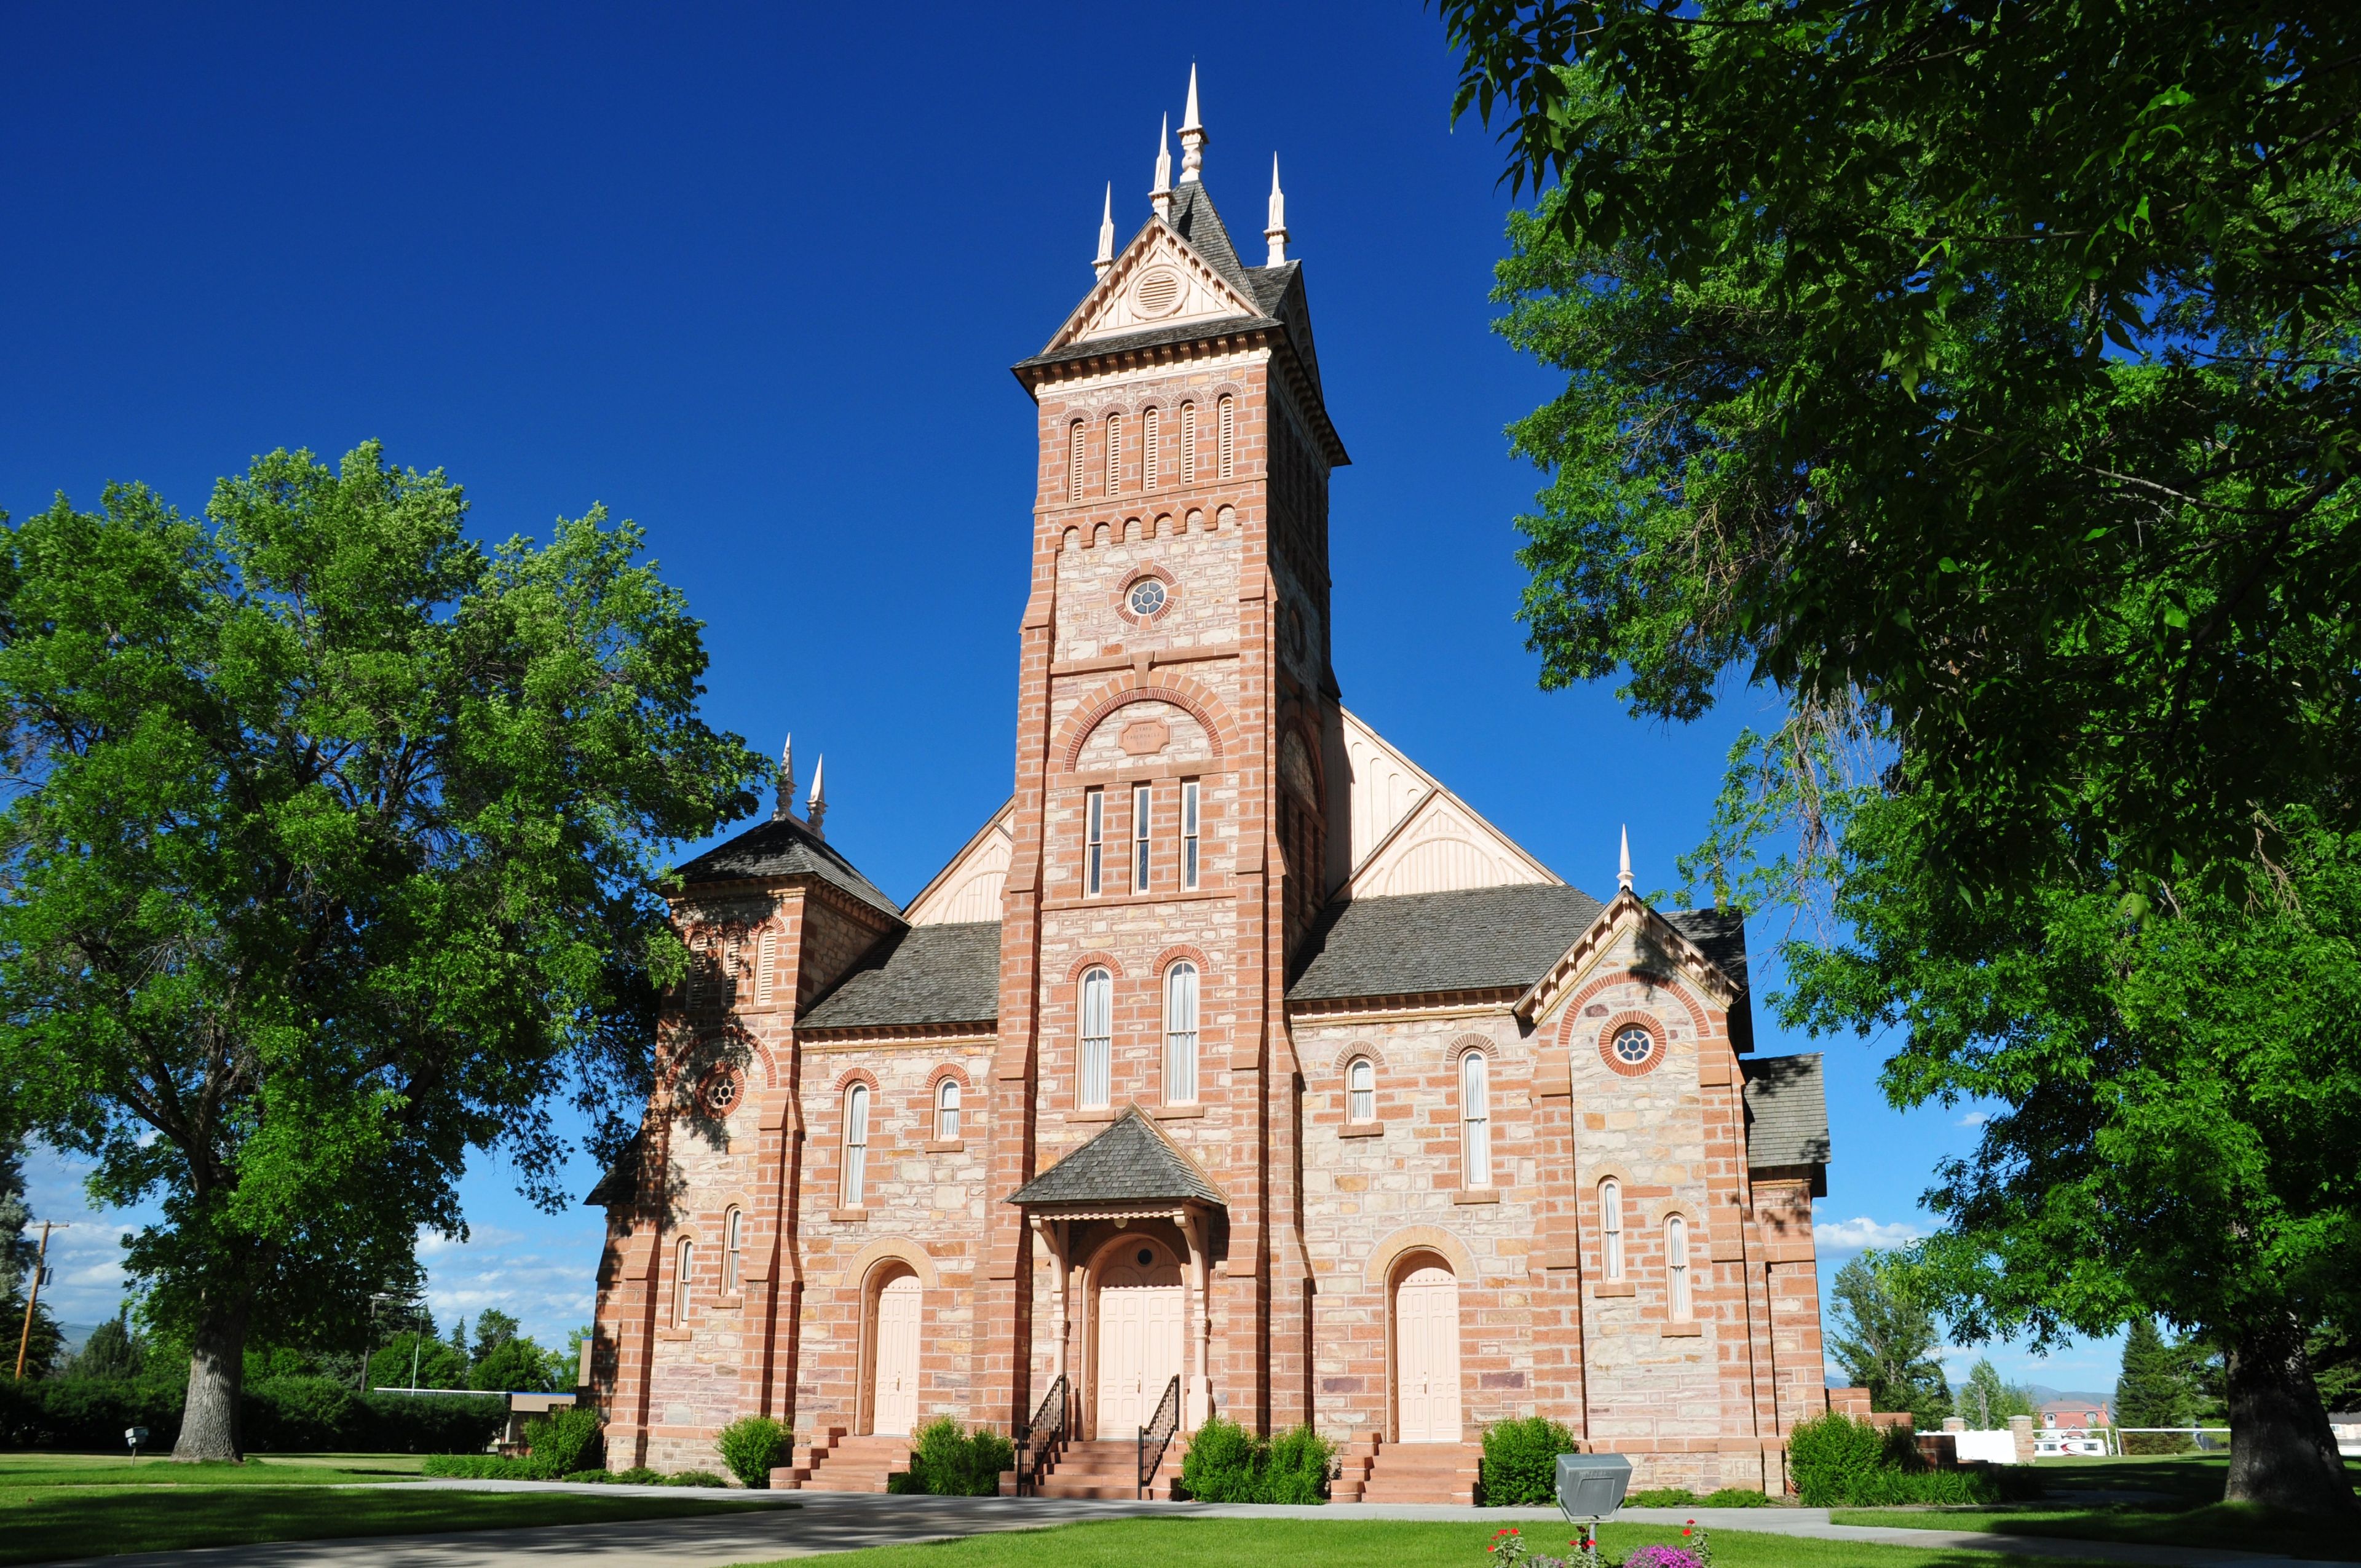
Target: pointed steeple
{"points": [[785, 804], [1160, 198], [817, 807], [1106, 234], [1193, 135], [1277, 232], [1623, 871]]}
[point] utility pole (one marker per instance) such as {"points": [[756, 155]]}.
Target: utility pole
{"points": [[33, 1295]]}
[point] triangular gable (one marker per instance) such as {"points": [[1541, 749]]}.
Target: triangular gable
{"points": [[969, 889], [1158, 280], [1134, 1161], [1625, 914], [1410, 834]]}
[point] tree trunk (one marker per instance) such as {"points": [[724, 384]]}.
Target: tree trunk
{"points": [[2281, 1451], [216, 1388]]}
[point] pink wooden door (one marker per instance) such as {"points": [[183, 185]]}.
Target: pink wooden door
{"points": [[1426, 1356], [895, 1398], [1139, 1345]]}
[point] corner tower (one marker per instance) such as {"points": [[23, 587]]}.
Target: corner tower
{"points": [[1179, 769]]}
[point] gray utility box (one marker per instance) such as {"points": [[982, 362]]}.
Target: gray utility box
{"points": [[1591, 1486]]}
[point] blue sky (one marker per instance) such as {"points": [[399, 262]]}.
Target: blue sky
{"points": [[754, 278]]}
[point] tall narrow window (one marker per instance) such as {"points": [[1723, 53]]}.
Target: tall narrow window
{"points": [[1188, 444], [1476, 1119], [684, 1263], [1149, 432], [1610, 1224], [947, 1110], [1361, 1089], [1189, 835], [1227, 440], [1095, 1063], [1075, 447], [1180, 1035], [733, 1244], [1114, 454], [1139, 824], [1677, 1266], [766, 953], [1094, 839], [700, 984], [856, 1144]]}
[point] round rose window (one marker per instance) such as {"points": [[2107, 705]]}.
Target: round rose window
{"points": [[1147, 597], [723, 1093], [1634, 1044]]}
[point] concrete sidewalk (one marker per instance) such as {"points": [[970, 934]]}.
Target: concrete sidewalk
{"points": [[842, 1521]]}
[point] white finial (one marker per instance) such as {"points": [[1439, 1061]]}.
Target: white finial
{"points": [[1106, 234], [1193, 135], [1277, 232], [787, 801], [817, 807], [1623, 872], [1160, 198]]}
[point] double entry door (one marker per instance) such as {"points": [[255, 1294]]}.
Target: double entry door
{"points": [[1426, 1356], [893, 1397], [1139, 1351]]}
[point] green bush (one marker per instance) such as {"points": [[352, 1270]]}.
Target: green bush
{"points": [[1839, 1461], [948, 1461], [590, 1478], [565, 1440], [753, 1446], [299, 1414], [279, 1415], [638, 1475], [694, 1478], [1661, 1498], [1739, 1497], [479, 1467], [1223, 1464], [1520, 1461], [1297, 1468]]}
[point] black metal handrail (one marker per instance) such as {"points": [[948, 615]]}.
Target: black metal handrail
{"points": [[1037, 1444], [1156, 1435]]}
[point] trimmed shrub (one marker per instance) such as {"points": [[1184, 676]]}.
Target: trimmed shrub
{"points": [[565, 1440], [638, 1475], [299, 1414], [1661, 1498], [590, 1478], [1223, 1464], [1520, 1461], [423, 1423], [752, 1446], [1297, 1468], [279, 1415], [694, 1478], [1739, 1497], [1840, 1462], [948, 1461], [478, 1467]]}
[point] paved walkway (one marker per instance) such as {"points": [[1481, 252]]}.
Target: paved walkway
{"points": [[839, 1522]]}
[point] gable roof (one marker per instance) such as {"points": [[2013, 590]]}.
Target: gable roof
{"points": [[926, 975], [1194, 219], [1788, 1114], [780, 848], [1482, 938], [1131, 1162]]}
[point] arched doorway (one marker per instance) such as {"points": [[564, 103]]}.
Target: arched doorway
{"points": [[893, 1353], [1426, 1351], [1140, 1307]]}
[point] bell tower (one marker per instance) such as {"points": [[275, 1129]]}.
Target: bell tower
{"points": [[1179, 816]]}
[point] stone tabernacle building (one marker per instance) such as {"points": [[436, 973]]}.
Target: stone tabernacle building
{"points": [[1235, 1065]]}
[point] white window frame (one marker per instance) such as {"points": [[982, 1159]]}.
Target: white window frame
{"points": [[947, 1110], [856, 1146], [733, 1243], [1094, 841], [1610, 1225], [1114, 454], [1142, 824], [684, 1265], [1094, 1050], [1188, 444], [766, 953], [1476, 1120], [1183, 1000], [1189, 864], [1225, 439], [1678, 1290], [1360, 1091], [1076, 447], [1150, 429]]}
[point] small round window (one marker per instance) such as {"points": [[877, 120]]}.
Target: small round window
{"points": [[1146, 597], [1634, 1044], [721, 1093]]}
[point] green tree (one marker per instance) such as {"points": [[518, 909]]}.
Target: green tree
{"points": [[19, 1251], [113, 1350], [2154, 1390], [410, 1355], [515, 1363], [1882, 1335], [494, 1329], [1988, 1400], [334, 855]]}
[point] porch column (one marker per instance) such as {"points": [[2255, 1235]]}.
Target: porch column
{"points": [[1197, 1404]]}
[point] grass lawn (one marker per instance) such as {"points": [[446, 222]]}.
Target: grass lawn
{"points": [[69, 1504], [1357, 1543]]}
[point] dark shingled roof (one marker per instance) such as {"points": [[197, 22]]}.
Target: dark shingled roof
{"points": [[621, 1180], [928, 974], [1194, 220], [1130, 1162], [1788, 1114], [1719, 933], [1484, 939], [782, 846]]}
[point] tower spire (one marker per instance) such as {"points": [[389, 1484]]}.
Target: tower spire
{"points": [[1192, 134], [1106, 234], [817, 807], [1277, 232], [786, 805], [1623, 871], [1160, 198]]}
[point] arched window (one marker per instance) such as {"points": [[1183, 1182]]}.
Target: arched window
{"points": [[1188, 444], [947, 1110], [1610, 1224], [684, 1263], [1149, 431], [1677, 1266], [1361, 1091], [766, 953], [1074, 463], [1227, 440], [1114, 454], [1476, 1119], [1097, 1052], [733, 1243], [1180, 1035], [856, 1144]]}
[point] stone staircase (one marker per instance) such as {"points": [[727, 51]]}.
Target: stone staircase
{"points": [[1109, 1468], [1378, 1472], [833, 1462]]}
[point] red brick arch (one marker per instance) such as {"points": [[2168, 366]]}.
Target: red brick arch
{"points": [[1192, 696], [1571, 1017], [851, 1076], [1094, 958], [1171, 955]]}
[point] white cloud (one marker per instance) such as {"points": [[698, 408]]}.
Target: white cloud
{"points": [[544, 1280], [1863, 1231], [1975, 1119]]}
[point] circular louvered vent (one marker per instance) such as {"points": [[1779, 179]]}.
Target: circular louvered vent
{"points": [[1156, 292]]}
